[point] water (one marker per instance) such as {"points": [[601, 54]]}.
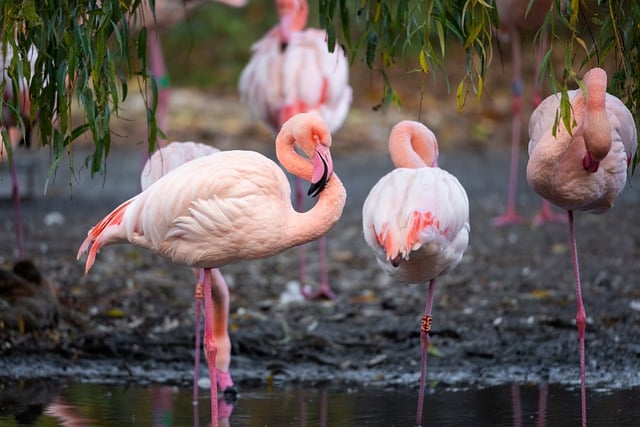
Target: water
{"points": [[41, 403]]}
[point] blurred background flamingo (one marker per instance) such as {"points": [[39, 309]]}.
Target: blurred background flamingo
{"points": [[228, 207], [159, 164], [416, 220], [518, 17], [292, 71], [582, 168]]}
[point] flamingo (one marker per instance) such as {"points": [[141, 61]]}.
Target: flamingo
{"points": [[228, 207], [159, 164], [582, 168], [166, 14], [13, 130], [291, 71], [515, 17], [416, 220]]}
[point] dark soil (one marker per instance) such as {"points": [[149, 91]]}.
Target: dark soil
{"points": [[505, 314]]}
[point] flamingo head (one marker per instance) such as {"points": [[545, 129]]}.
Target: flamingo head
{"points": [[322, 168], [293, 17]]}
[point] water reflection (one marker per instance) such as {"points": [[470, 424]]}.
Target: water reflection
{"points": [[46, 403]]}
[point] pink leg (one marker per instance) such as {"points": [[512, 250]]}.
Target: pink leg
{"points": [[581, 318], [17, 217], [511, 216], [425, 340], [159, 73], [220, 295], [546, 215], [199, 296], [324, 291], [210, 348]]}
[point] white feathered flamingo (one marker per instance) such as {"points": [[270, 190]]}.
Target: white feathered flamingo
{"points": [[416, 220]]}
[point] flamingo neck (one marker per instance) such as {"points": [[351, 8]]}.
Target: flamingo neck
{"points": [[596, 129], [413, 145], [293, 17]]}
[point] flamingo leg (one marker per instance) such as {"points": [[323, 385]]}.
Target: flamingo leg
{"points": [[17, 217], [220, 295], [324, 290], [159, 73], [210, 348], [425, 340], [511, 216], [581, 318], [199, 297]]}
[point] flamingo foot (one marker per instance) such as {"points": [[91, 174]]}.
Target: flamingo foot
{"points": [[547, 215], [225, 383], [324, 293], [509, 217]]}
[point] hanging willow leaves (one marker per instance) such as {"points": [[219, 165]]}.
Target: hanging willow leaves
{"points": [[585, 34], [83, 53]]}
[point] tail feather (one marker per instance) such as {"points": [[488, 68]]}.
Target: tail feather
{"points": [[93, 241]]}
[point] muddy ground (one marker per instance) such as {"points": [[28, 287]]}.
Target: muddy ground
{"points": [[505, 314]]}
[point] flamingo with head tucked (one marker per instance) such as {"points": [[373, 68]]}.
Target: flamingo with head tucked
{"points": [[517, 17], [583, 167], [416, 220], [229, 207], [292, 71]]}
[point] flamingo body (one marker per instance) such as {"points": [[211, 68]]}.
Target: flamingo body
{"points": [[298, 74], [417, 222], [217, 203], [171, 157], [555, 165]]}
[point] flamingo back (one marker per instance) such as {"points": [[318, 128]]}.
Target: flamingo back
{"points": [[417, 222], [555, 168], [170, 157]]}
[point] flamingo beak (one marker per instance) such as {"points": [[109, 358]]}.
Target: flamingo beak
{"points": [[322, 170]]}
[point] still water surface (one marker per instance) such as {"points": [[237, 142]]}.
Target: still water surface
{"points": [[46, 404]]}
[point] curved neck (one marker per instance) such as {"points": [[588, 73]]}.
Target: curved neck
{"points": [[293, 17], [413, 145], [597, 131], [314, 223]]}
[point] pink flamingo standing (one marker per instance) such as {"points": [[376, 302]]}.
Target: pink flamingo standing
{"points": [[167, 14], [229, 207], [159, 164], [13, 131], [517, 16], [292, 71], [416, 220], [583, 168]]}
